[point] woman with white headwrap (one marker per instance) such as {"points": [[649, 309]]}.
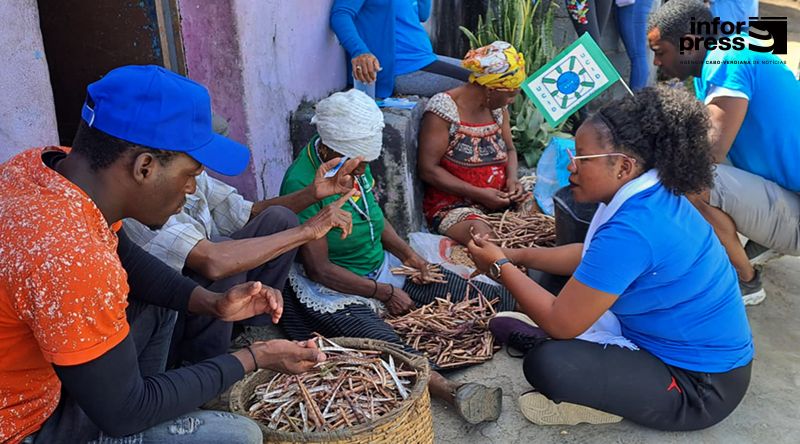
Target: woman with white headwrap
{"points": [[342, 286]]}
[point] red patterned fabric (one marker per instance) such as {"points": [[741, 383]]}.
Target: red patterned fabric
{"points": [[476, 154]]}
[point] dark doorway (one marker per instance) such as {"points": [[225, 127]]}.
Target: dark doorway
{"points": [[449, 15], [84, 40]]}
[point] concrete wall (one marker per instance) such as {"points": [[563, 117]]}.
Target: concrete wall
{"points": [[213, 58], [260, 60], [27, 114]]}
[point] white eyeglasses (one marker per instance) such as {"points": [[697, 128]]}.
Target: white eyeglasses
{"points": [[573, 157]]}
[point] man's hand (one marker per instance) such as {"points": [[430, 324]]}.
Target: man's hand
{"points": [[250, 299], [397, 301], [516, 192], [493, 199], [483, 252], [341, 183], [331, 216], [285, 356], [365, 68]]}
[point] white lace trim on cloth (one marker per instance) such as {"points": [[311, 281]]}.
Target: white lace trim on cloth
{"points": [[322, 299]]}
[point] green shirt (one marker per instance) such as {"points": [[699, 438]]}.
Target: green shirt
{"points": [[361, 252]]}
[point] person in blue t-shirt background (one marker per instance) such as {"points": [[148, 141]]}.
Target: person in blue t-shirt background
{"points": [[666, 342], [734, 10], [385, 42], [752, 99]]}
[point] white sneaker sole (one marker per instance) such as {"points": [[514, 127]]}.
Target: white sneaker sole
{"points": [[516, 315], [755, 298], [539, 410]]}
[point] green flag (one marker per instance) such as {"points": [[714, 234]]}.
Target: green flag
{"points": [[570, 80]]}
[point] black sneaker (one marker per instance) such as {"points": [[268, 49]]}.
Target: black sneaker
{"points": [[522, 343], [753, 292], [759, 254], [516, 330]]}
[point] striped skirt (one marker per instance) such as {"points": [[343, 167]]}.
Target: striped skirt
{"points": [[360, 321]]}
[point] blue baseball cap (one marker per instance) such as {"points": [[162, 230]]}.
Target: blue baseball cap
{"points": [[154, 107]]}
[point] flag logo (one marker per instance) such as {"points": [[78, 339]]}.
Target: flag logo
{"points": [[570, 80]]}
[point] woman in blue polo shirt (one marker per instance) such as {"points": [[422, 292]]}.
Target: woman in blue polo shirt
{"points": [[652, 277], [385, 40]]}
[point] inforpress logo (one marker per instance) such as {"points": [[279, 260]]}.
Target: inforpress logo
{"points": [[766, 34]]}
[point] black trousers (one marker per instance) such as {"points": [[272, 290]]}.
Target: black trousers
{"points": [[448, 70], [196, 337], [634, 384], [150, 329]]}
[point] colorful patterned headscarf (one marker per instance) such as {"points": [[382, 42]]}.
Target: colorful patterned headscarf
{"points": [[496, 66]]}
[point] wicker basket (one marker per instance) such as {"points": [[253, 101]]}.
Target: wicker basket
{"points": [[410, 422]]}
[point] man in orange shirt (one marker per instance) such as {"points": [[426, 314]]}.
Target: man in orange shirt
{"points": [[85, 314]]}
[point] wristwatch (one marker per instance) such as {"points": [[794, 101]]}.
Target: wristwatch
{"points": [[495, 269]]}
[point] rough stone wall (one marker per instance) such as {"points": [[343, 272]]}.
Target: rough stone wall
{"points": [[398, 188], [27, 113]]}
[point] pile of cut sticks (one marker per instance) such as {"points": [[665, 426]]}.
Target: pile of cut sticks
{"points": [[351, 387], [514, 230], [434, 274], [450, 334], [522, 230], [460, 256]]}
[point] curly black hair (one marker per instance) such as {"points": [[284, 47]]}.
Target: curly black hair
{"points": [[673, 19], [102, 149], [664, 128]]}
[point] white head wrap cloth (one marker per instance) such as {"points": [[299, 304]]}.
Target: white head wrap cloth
{"points": [[351, 124]]}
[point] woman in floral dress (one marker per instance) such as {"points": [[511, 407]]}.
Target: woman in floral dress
{"points": [[466, 157]]}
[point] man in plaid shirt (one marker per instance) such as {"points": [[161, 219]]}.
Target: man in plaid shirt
{"points": [[220, 239]]}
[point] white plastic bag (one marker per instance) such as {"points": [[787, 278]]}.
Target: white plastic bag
{"points": [[436, 250]]}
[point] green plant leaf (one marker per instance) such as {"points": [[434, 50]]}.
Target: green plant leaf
{"points": [[473, 41], [530, 158]]}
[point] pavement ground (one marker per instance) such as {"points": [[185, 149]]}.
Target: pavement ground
{"points": [[769, 413]]}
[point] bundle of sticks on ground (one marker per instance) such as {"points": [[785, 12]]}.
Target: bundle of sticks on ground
{"points": [[351, 387], [450, 334], [434, 274], [514, 230]]}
